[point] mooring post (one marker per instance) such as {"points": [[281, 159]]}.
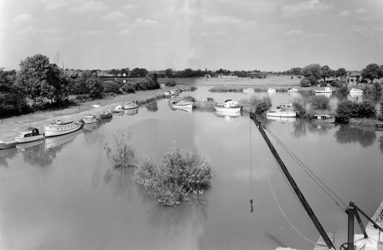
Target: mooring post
{"points": [[350, 235]]}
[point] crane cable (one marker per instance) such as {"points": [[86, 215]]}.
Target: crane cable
{"points": [[310, 173]]}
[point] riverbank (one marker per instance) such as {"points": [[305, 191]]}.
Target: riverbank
{"points": [[11, 127]]}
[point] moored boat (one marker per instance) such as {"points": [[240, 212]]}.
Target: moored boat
{"points": [[29, 135], [167, 94], [88, 119], [286, 105], [281, 113], [133, 104], [355, 91], [324, 118], [118, 109], [61, 127], [292, 90], [248, 91], [7, 144], [175, 92], [229, 106], [184, 105], [326, 90], [271, 90], [107, 114]]}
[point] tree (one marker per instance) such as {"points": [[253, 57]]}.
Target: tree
{"points": [[12, 98], [41, 80], [169, 72], [312, 70], [138, 72], [341, 72], [325, 71], [94, 85], [371, 72]]}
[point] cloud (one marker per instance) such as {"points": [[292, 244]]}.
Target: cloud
{"points": [[55, 5], [30, 29], [130, 6], [124, 32], [361, 11], [294, 32], [89, 6], [305, 6], [223, 20], [113, 15], [22, 17], [344, 13], [145, 21]]}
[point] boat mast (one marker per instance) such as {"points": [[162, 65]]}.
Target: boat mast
{"points": [[295, 187]]}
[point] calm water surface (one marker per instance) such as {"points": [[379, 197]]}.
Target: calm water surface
{"points": [[65, 194]]}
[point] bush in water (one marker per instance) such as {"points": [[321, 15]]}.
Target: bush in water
{"points": [[175, 178], [347, 110], [123, 153]]}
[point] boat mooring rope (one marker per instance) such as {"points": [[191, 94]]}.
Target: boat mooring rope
{"points": [[337, 200], [285, 216]]}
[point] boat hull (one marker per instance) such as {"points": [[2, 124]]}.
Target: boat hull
{"points": [[29, 139], [282, 114], [224, 110], [7, 145], [51, 132]]}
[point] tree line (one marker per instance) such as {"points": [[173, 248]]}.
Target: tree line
{"points": [[40, 85]]}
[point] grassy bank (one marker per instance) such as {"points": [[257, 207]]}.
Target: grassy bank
{"points": [[11, 127]]}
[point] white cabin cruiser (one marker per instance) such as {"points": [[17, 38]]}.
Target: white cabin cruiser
{"points": [[61, 127]]}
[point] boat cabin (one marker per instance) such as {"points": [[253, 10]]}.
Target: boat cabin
{"points": [[30, 132]]}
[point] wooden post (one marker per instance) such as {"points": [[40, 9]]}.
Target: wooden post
{"points": [[295, 187]]}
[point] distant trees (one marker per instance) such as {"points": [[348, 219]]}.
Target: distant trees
{"points": [[341, 72], [94, 86], [313, 70], [138, 72], [325, 72]]}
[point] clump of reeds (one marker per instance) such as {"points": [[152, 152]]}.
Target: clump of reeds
{"points": [[122, 154], [173, 180]]}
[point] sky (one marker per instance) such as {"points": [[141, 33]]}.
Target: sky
{"points": [[158, 34]]}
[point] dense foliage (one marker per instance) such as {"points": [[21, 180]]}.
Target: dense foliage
{"points": [[260, 105], [122, 154], [319, 102], [175, 178], [347, 110]]}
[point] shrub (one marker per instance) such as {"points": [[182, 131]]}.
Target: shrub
{"points": [[175, 178], [111, 87], [123, 153], [261, 105], [347, 110], [338, 83], [378, 87], [305, 82], [170, 83], [128, 88], [320, 102], [298, 107], [193, 88], [380, 117]]}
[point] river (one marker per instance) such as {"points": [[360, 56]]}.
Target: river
{"points": [[65, 194]]}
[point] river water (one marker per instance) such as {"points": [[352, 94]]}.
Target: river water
{"points": [[65, 194]]}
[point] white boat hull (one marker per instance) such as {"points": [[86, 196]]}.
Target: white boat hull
{"points": [[224, 110], [50, 132], [29, 139], [282, 114]]}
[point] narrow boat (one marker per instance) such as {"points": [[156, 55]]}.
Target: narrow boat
{"points": [[229, 106], [61, 127], [133, 104], [107, 114], [88, 119], [271, 90], [323, 118], [248, 91], [326, 90], [281, 113], [29, 135], [184, 105], [118, 109], [7, 144], [355, 91]]}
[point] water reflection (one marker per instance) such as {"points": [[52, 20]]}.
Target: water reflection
{"points": [[349, 134], [228, 117], [152, 107], [5, 155], [131, 111], [174, 217], [300, 128], [57, 143], [91, 126], [121, 180], [282, 119], [381, 143], [34, 153]]}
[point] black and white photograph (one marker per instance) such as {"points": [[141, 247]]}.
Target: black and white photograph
{"points": [[191, 125]]}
